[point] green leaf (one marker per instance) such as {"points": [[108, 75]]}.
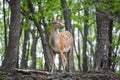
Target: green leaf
{"points": [[39, 64], [24, 25], [78, 26]]}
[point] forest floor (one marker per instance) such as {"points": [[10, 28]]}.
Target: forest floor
{"points": [[28, 74]]}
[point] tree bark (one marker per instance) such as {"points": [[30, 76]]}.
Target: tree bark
{"points": [[66, 13], [85, 62], [24, 50], [110, 42], [33, 50], [102, 40], [10, 59], [46, 49], [78, 55]]}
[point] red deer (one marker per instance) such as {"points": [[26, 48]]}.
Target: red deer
{"points": [[60, 43]]}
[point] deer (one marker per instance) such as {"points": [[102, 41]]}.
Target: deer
{"points": [[60, 43]]}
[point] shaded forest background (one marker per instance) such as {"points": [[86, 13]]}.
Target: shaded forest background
{"points": [[25, 28]]}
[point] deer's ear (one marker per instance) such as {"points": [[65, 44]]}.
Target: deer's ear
{"points": [[53, 19], [60, 20]]}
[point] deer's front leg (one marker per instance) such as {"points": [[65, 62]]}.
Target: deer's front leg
{"points": [[64, 61], [53, 61]]}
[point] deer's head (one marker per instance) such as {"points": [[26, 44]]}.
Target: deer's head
{"points": [[57, 24]]}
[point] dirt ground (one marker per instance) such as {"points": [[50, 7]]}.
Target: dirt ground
{"points": [[27, 74]]}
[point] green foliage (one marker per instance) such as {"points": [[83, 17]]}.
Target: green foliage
{"points": [[34, 1], [37, 15], [24, 5], [115, 7], [118, 72], [78, 26], [2, 46], [83, 18], [49, 27], [25, 25], [116, 25], [76, 60], [102, 5], [91, 38], [51, 7], [2, 77], [39, 64], [116, 60]]}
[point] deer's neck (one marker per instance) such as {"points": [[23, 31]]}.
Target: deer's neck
{"points": [[53, 38], [54, 31]]}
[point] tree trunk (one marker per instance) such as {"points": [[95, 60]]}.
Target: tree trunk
{"points": [[85, 62], [33, 50], [66, 13], [79, 57], [10, 59], [102, 51], [47, 54], [24, 50], [110, 42]]}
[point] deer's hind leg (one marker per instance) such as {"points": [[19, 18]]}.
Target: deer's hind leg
{"points": [[70, 61]]}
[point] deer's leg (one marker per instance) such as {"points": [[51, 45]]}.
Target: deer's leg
{"points": [[64, 61], [70, 66], [53, 61]]}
